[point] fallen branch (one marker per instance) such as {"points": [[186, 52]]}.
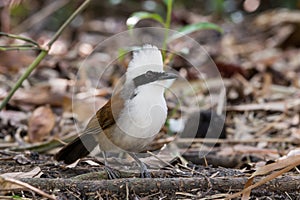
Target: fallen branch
{"points": [[166, 186]]}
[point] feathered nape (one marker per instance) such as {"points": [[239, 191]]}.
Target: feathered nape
{"points": [[147, 58]]}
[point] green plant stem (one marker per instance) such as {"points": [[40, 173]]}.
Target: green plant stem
{"points": [[167, 27], [169, 12], [19, 38], [42, 55], [19, 47], [31, 67]]}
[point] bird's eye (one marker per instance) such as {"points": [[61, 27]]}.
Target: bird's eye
{"points": [[149, 74]]}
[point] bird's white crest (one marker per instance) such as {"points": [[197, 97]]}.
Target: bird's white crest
{"points": [[144, 115], [147, 58]]}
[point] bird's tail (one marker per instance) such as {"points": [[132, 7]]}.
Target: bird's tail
{"points": [[78, 148]]}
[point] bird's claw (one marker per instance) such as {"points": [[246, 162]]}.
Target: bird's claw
{"points": [[112, 173], [144, 171]]}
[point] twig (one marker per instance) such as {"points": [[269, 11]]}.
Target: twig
{"points": [[42, 55], [19, 48], [166, 163], [18, 37], [228, 141], [30, 187], [127, 191]]}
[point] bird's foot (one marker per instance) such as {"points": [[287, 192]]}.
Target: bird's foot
{"points": [[112, 173], [144, 170]]}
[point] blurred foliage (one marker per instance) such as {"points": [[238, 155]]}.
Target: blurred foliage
{"points": [[135, 17], [26, 9], [20, 11], [60, 16], [230, 9]]}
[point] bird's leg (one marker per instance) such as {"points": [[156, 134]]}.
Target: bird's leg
{"points": [[143, 168], [111, 173]]}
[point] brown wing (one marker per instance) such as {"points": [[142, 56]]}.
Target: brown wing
{"points": [[109, 112], [86, 142], [105, 116]]}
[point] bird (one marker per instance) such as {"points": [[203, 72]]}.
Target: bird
{"points": [[132, 117]]}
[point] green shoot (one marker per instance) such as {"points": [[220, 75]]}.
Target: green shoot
{"points": [[185, 30]]}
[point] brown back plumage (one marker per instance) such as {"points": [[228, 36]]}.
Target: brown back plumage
{"points": [[85, 143]]}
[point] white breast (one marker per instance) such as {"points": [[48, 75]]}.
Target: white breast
{"points": [[143, 116]]}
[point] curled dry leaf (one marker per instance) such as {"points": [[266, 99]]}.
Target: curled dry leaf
{"points": [[21, 159], [6, 185], [40, 124], [276, 169], [34, 173], [9, 182]]}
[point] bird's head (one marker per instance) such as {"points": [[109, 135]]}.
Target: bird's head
{"points": [[146, 67]]}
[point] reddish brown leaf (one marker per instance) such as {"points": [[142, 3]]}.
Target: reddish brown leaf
{"points": [[40, 124]]}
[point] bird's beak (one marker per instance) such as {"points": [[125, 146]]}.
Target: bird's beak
{"points": [[167, 75]]}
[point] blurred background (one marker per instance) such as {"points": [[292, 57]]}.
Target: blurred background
{"points": [[253, 43], [230, 10]]}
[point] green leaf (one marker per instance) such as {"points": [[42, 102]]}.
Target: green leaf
{"points": [[16, 197], [121, 54], [195, 27], [168, 2], [123, 51], [138, 16]]}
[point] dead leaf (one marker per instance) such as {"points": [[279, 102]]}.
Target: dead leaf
{"points": [[40, 95], [35, 173], [283, 165], [40, 124], [7, 185], [9, 182], [21, 159]]}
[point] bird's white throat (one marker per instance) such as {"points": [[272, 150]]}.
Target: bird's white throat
{"points": [[145, 113]]}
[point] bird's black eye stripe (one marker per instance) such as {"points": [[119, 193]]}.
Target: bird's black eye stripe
{"points": [[148, 77], [151, 74]]}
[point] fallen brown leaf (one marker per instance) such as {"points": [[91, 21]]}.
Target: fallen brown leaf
{"points": [[283, 165], [40, 124]]}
